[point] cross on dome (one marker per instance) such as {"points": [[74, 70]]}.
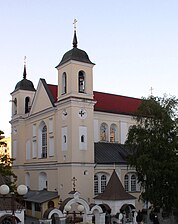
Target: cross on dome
{"points": [[24, 72], [75, 35], [75, 22], [151, 90]]}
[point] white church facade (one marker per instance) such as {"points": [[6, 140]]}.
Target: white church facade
{"points": [[66, 131]]}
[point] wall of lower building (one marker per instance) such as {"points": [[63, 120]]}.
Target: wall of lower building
{"points": [[37, 210]]}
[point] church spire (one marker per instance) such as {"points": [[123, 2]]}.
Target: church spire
{"points": [[24, 71], [75, 35]]}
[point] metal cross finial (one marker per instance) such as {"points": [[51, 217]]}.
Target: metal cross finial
{"points": [[151, 89], [24, 72], [25, 60], [75, 27], [74, 185]]}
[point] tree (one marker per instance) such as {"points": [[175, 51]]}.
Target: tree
{"points": [[6, 174], [154, 143]]}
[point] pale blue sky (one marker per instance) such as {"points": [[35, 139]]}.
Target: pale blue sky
{"points": [[134, 44]]}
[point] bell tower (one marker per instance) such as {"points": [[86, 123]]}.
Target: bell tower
{"points": [[75, 73], [75, 106], [22, 97]]}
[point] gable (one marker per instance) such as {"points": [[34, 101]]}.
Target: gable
{"points": [[43, 98]]}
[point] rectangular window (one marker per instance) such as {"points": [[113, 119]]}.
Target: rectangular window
{"points": [[14, 152], [51, 146], [37, 207], [34, 149], [34, 130], [28, 151], [51, 125], [29, 205]]}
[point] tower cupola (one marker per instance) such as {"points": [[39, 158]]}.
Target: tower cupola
{"points": [[75, 73], [24, 84], [75, 53], [22, 95]]}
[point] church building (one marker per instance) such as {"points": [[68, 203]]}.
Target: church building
{"points": [[69, 136]]}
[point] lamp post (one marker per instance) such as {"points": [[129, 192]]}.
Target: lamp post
{"points": [[4, 191], [68, 208]]}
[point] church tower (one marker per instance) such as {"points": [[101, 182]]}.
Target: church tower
{"points": [[22, 97], [75, 107]]}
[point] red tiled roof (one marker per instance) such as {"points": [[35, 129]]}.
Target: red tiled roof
{"points": [[109, 103], [112, 103], [53, 89]]}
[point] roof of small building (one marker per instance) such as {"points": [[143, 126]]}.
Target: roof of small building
{"points": [[114, 190], [109, 153], [40, 196]]}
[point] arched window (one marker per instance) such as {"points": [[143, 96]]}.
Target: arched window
{"points": [[113, 133], [130, 182], [104, 132], [133, 183], [44, 142], [96, 184], [126, 182], [15, 106], [100, 182], [103, 183], [27, 101], [64, 83], [81, 82], [43, 184]]}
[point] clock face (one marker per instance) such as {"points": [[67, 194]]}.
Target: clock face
{"points": [[82, 113]]}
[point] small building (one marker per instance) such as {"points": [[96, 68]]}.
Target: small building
{"points": [[117, 199], [37, 202]]}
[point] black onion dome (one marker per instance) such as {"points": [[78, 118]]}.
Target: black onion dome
{"points": [[76, 55], [25, 84]]}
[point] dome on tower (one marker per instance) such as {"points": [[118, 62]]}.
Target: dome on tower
{"points": [[75, 54], [24, 84]]}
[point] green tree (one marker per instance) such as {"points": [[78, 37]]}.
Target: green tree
{"points": [[6, 174], [154, 143]]}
